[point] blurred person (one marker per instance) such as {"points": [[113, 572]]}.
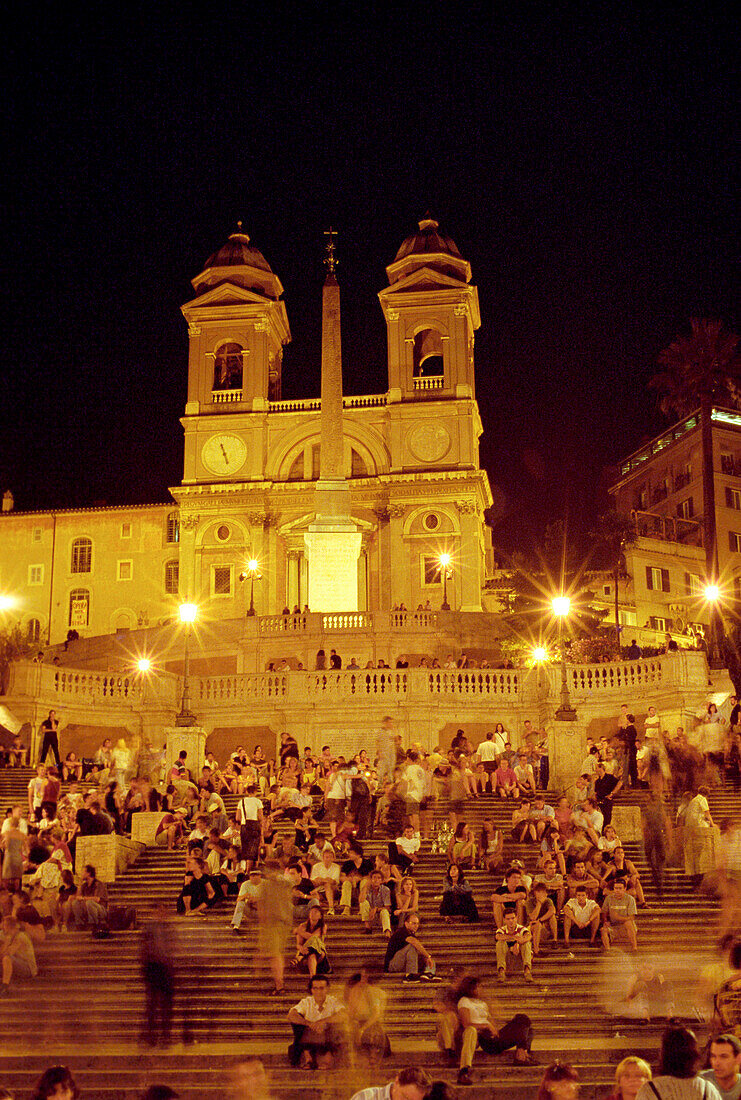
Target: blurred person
{"points": [[657, 837], [559, 1082], [677, 1078], [699, 838], [729, 873], [158, 975], [160, 1092], [56, 1082], [365, 1004], [630, 1074], [412, 1083], [274, 909], [248, 1080], [478, 1028], [651, 992], [491, 846], [18, 955], [725, 1066]]}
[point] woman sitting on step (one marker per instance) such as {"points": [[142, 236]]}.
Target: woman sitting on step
{"points": [[407, 900], [311, 946], [457, 897], [462, 847]]}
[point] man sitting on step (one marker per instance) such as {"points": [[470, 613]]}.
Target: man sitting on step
{"points": [[509, 898], [405, 952], [319, 1026], [581, 917], [326, 879], [353, 876], [513, 945]]}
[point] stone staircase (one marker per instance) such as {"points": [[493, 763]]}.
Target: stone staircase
{"points": [[86, 1007]]}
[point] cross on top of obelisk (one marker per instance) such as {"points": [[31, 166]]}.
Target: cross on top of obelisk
{"points": [[330, 260]]}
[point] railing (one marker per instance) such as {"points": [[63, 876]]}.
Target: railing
{"points": [[668, 528], [415, 620], [481, 682], [347, 620], [373, 683], [616, 676], [73, 685], [313, 404], [432, 382], [226, 397], [283, 624], [238, 688]]}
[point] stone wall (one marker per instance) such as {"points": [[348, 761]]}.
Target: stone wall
{"points": [[109, 855]]}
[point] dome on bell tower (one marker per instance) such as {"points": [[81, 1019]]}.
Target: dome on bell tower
{"points": [[240, 263], [428, 247]]}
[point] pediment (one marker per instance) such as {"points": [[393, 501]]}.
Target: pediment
{"points": [[423, 278], [301, 524], [225, 294]]}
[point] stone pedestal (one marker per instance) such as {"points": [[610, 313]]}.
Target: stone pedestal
{"points": [[190, 738], [333, 550], [567, 747], [144, 826], [110, 855]]}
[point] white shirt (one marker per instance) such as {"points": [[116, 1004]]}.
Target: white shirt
{"points": [[478, 1010], [680, 1088], [581, 914], [488, 751], [320, 872], [380, 1092], [22, 826], [249, 807], [409, 845], [415, 777], [310, 1010]]}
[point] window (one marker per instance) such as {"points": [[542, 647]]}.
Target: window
{"points": [[125, 570], [172, 529], [606, 589], [641, 499], [33, 631], [733, 498], [693, 584], [657, 580], [656, 622], [221, 580], [79, 607], [172, 577], [428, 354], [36, 534], [82, 556], [686, 508], [431, 571], [627, 618], [35, 574], [734, 542], [223, 532], [683, 477], [726, 462], [125, 530], [228, 367], [431, 521]]}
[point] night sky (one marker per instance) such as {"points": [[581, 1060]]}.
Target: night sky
{"points": [[586, 163]]}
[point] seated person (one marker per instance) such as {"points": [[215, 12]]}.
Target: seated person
{"points": [[311, 947], [375, 902], [405, 953], [71, 768], [513, 943], [18, 955], [247, 899], [509, 898], [462, 847], [89, 906], [198, 893], [590, 819], [579, 876], [542, 816], [540, 914], [491, 847], [17, 753], [524, 776], [457, 896], [505, 780], [404, 851], [609, 840], [619, 913], [577, 848], [581, 917], [472, 1025], [523, 829], [620, 867], [554, 883], [366, 1006], [597, 866], [353, 873], [326, 879], [319, 845], [318, 1023]]}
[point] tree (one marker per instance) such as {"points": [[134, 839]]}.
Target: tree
{"points": [[614, 531], [702, 370]]}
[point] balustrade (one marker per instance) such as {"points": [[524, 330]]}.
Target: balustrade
{"points": [[283, 624], [246, 687], [431, 382], [346, 684], [226, 397], [615, 676], [415, 620], [481, 682], [346, 620], [95, 686]]}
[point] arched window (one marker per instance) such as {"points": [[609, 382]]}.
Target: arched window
{"points": [[228, 367], [428, 354], [33, 631], [82, 556], [172, 577], [172, 529], [79, 607]]}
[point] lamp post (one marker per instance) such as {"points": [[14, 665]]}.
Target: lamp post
{"points": [[188, 614], [540, 654], [444, 567], [561, 606], [712, 594], [252, 573]]}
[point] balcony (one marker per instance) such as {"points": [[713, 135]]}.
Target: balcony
{"points": [[688, 532], [434, 382], [226, 397], [681, 481]]}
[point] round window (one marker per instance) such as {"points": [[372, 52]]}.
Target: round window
{"points": [[432, 521], [223, 533]]}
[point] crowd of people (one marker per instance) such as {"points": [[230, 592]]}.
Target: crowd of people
{"points": [[294, 856]]}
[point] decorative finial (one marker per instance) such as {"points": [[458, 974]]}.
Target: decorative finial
{"points": [[239, 226], [330, 261]]}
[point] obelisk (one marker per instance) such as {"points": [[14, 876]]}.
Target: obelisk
{"points": [[333, 540]]}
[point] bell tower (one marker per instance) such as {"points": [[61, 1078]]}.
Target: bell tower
{"points": [[431, 313]]}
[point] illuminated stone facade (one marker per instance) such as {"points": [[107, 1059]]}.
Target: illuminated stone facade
{"points": [[251, 464]]}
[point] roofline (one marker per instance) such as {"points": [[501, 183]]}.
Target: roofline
{"points": [[73, 511], [627, 464]]}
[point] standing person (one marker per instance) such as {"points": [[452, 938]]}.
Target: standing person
{"points": [[158, 975], [274, 909], [365, 1005], [657, 834], [386, 750], [725, 1064], [630, 739], [677, 1075], [606, 790], [699, 836], [250, 821], [36, 788], [487, 753], [50, 738]]}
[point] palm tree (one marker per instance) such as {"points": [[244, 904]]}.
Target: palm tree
{"points": [[702, 369], [614, 531]]}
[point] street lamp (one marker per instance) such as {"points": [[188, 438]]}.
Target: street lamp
{"points": [[540, 653], [712, 594], [188, 614], [561, 606], [252, 573], [444, 560], [144, 664], [7, 603]]}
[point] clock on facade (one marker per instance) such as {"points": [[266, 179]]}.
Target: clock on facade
{"points": [[224, 454]]}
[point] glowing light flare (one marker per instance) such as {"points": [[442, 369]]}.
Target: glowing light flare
{"points": [[144, 664], [444, 560], [7, 603], [188, 612], [561, 606], [540, 653], [711, 593]]}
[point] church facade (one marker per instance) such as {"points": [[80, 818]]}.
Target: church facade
{"points": [[234, 537]]}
